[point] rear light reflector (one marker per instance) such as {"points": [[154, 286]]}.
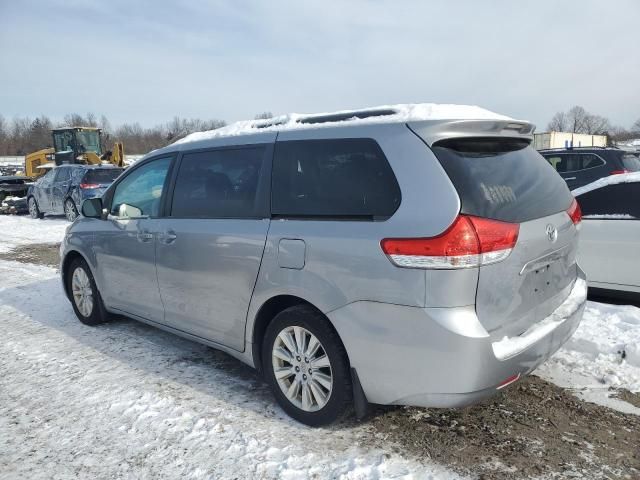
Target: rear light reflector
{"points": [[574, 212], [469, 242], [619, 172], [89, 186], [508, 381]]}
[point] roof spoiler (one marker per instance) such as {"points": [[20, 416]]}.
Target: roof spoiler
{"points": [[432, 131]]}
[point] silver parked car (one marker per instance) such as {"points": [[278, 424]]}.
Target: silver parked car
{"points": [[610, 237], [362, 257]]}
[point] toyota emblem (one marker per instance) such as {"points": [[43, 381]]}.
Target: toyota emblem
{"points": [[552, 233]]}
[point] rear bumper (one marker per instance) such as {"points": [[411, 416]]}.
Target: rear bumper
{"points": [[443, 357]]}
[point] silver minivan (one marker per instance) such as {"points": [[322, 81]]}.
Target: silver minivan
{"points": [[356, 258]]}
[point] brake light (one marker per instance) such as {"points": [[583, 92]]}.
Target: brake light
{"points": [[574, 212], [468, 242], [89, 186], [619, 172]]}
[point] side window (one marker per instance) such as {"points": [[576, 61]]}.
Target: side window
{"points": [[64, 174], [574, 162], [139, 193], [78, 173], [218, 184], [589, 160], [621, 200], [339, 178], [556, 162], [47, 178]]}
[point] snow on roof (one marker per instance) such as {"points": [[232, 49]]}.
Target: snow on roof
{"points": [[610, 180], [383, 114]]}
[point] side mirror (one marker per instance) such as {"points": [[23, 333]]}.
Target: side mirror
{"points": [[92, 208]]}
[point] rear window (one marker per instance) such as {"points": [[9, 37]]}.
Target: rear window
{"points": [[102, 175], [631, 162], [333, 179], [503, 179]]}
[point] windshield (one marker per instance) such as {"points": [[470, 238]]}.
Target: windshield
{"points": [[503, 179], [631, 162], [102, 175], [88, 141]]}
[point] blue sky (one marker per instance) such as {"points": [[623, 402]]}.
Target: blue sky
{"points": [[147, 61]]}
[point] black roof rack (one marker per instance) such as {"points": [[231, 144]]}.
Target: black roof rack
{"points": [[341, 117]]}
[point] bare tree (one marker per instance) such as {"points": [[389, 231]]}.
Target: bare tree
{"points": [[558, 123], [636, 126], [578, 120]]}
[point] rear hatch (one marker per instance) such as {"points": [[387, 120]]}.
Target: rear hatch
{"points": [[505, 179]]}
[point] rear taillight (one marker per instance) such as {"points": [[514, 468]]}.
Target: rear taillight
{"points": [[619, 172], [89, 186], [574, 212], [468, 242]]}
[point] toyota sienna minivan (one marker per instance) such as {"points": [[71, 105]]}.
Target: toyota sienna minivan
{"points": [[387, 256]]}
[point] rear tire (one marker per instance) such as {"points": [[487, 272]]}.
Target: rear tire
{"points": [[34, 211], [307, 367], [70, 210], [84, 295]]}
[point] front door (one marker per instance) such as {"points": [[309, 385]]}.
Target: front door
{"points": [[126, 247], [60, 188], [42, 191], [209, 248]]}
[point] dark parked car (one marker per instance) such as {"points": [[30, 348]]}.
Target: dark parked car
{"points": [[64, 188], [580, 166], [13, 186]]}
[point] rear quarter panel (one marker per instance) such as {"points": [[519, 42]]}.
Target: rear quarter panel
{"points": [[343, 260]]}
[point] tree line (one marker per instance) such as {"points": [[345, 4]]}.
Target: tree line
{"points": [[578, 120], [23, 135]]}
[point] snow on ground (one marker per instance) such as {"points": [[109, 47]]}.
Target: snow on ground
{"points": [[130, 401], [137, 402], [22, 230], [604, 352], [402, 113]]}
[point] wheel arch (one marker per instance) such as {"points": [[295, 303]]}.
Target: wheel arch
{"points": [[267, 312]]}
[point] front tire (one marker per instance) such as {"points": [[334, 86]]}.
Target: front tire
{"points": [[84, 295], [34, 211], [307, 366], [70, 210]]}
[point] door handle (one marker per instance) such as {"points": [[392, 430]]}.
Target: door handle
{"points": [[144, 236], [167, 237]]}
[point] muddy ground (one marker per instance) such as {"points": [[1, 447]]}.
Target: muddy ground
{"points": [[41, 254], [532, 429]]}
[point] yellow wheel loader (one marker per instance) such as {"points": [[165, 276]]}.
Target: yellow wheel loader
{"points": [[73, 145]]}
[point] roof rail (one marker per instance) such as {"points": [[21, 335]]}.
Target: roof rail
{"points": [[340, 117]]}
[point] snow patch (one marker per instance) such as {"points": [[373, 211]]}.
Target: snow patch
{"points": [[603, 353], [610, 180], [403, 113], [15, 231]]}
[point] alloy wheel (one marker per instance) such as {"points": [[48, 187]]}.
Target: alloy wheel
{"points": [[302, 368], [82, 291], [70, 210], [33, 208]]}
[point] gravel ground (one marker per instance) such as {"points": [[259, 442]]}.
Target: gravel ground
{"points": [[532, 430]]}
